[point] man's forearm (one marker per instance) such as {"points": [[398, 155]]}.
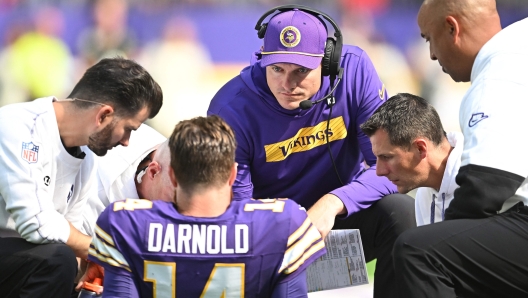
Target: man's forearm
{"points": [[78, 242], [323, 213], [331, 204]]}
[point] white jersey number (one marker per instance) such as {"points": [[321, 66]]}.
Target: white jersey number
{"points": [[222, 282], [269, 204]]}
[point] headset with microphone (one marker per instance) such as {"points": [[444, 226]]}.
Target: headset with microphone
{"points": [[306, 104], [330, 64]]}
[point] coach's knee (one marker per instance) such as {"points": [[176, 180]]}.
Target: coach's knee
{"points": [[399, 249], [408, 246], [399, 211], [61, 261]]}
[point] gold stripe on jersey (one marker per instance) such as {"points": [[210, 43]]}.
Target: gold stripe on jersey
{"points": [[306, 139], [107, 252], [315, 248], [108, 260], [101, 233], [295, 235], [299, 250]]}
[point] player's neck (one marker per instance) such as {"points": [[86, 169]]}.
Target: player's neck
{"points": [[210, 202]]}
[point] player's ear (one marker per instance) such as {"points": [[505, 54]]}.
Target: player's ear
{"points": [[233, 174], [173, 178], [104, 115]]}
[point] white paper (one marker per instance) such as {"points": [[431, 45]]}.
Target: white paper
{"points": [[342, 266]]}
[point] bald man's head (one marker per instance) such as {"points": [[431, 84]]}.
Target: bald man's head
{"points": [[456, 31], [473, 11], [155, 183], [163, 156]]}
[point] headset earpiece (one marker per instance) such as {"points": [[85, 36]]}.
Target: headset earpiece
{"points": [[326, 63], [262, 30]]}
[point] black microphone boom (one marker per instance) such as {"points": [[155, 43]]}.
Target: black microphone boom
{"points": [[306, 104]]}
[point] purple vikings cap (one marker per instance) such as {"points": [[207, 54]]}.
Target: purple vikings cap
{"points": [[294, 37]]}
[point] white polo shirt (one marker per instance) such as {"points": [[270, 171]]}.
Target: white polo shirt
{"points": [[42, 186], [494, 110], [431, 204]]}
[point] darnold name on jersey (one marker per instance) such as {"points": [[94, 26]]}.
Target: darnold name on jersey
{"points": [[198, 238]]}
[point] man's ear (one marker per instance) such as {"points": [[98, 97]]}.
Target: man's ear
{"points": [[454, 28], [421, 146], [233, 174], [153, 169], [104, 115]]}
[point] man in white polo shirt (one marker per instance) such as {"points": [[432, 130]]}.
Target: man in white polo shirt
{"points": [[414, 152], [480, 248], [46, 178]]}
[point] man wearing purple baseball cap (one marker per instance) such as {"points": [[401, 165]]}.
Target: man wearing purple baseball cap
{"points": [[283, 42], [296, 112]]}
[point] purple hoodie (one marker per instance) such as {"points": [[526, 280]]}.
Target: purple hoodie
{"points": [[283, 153]]}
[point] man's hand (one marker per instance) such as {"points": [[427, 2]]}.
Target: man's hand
{"points": [[323, 213], [78, 242], [93, 271]]}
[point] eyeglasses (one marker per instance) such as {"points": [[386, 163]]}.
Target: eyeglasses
{"points": [[85, 100]]}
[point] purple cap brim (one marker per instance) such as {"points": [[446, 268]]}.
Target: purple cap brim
{"points": [[311, 62]]}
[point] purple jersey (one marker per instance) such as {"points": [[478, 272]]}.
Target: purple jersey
{"points": [[283, 153], [244, 252]]}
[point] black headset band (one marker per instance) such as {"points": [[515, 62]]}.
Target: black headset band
{"points": [[314, 12]]}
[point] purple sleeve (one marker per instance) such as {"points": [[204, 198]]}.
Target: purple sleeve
{"points": [[243, 187], [119, 283], [364, 191], [104, 251], [366, 188], [305, 243], [102, 226]]}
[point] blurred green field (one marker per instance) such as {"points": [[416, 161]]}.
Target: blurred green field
{"points": [[370, 270]]}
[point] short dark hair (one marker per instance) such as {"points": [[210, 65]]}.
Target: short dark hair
{"points": [[202, 152], [405, 117], [121, 83]]}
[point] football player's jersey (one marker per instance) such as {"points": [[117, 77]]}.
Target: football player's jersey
{"points": [[244, 252]]}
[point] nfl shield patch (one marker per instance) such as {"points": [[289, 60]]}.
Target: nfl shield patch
{"points": [[30, 152]]}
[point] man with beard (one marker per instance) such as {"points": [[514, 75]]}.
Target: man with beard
{"points": [[47, 177], [138, 171]]}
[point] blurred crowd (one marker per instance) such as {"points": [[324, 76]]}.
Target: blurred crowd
{"points": [[46, 45]]}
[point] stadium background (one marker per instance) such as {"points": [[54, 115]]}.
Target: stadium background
{"points": [[193, 47]]}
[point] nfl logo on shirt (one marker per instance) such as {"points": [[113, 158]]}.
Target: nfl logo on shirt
{"points": [[30, 152]]}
